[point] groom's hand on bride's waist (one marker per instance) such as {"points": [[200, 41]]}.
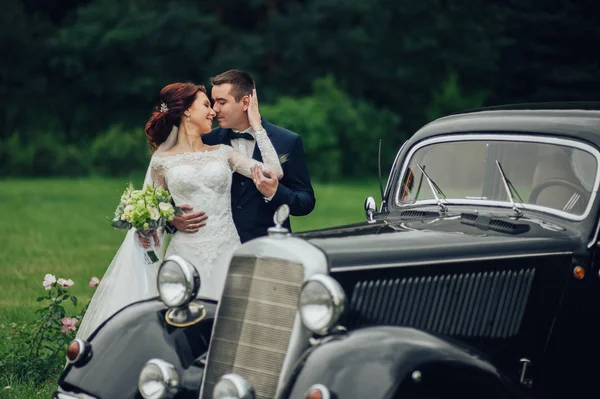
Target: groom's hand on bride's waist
{"points": [[190, 221]]}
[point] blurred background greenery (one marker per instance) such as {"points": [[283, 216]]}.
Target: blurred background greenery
{"points": [[79, 77]]}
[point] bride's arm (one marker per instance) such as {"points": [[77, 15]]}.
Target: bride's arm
{"points": [[243, 164]]}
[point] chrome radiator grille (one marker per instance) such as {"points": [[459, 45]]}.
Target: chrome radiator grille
{"points": [[254, 323], [485, 304]]}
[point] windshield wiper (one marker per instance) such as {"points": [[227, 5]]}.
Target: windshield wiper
{"points": [[508, 186], [435, 189]]}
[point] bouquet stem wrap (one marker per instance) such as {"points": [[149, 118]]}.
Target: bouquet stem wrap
{"points": [[149, 254]]}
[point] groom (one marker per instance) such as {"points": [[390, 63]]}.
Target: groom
{"points": [[253, 201]]}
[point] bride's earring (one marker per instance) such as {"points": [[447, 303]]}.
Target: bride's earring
{"points": [[187, 126]]}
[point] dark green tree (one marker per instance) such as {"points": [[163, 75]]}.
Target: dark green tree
{"points": [[550, 51]]}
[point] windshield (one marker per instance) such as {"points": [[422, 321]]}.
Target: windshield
{"points": [[558, 176]]}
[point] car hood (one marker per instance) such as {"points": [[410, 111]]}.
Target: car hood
{"points": [[436, 240]]}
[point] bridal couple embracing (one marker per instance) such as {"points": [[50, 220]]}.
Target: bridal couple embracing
{"points": [[228, 181]]}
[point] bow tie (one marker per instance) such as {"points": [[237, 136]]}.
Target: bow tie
{"points": [[246, 136]]}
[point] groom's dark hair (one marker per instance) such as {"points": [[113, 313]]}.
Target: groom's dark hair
{"points": [[241, 82]]}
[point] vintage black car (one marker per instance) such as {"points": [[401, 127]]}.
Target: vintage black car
{"points": [[476, 277]]}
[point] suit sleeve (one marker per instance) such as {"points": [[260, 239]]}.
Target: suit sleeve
{"points": [[295, 188]]}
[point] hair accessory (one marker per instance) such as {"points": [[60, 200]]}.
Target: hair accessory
{"points": [[163, 107]]}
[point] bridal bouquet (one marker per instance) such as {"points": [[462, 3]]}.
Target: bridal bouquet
{"points": [[144, 210]]}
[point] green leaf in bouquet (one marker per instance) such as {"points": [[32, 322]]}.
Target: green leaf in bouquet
{"points": [[40, 298], [74, 300], [178, 211], [120, 224]]}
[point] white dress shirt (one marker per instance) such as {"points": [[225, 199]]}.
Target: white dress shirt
{"points": [[243, 146]]}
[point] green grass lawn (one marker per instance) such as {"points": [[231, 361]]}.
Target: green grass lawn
{"points": [[61, 227]]}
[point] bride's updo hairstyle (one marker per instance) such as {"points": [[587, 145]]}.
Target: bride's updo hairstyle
{"points": [[174, 99]]}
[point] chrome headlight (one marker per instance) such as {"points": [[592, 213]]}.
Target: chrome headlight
{"points": [[322, 301], [232, 386], [158, 380], [178, 281]]}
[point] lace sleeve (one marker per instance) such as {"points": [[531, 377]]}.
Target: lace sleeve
{"points": [[241, 164], [157, 174]]}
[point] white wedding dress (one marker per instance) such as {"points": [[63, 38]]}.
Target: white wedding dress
{"points": [[202, 180]]}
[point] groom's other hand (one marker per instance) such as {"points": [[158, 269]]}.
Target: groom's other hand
{"points": [[266, 182], [189, 222]]}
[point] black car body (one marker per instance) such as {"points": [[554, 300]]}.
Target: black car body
{"points": [[478, 276]]}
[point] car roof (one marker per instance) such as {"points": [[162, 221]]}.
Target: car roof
{"points": [[570, 120]]}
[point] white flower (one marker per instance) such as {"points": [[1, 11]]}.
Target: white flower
{"points": [[154, 213], [164, 206], [94, 282], [128, 210], [65, 283], [49, 279]]}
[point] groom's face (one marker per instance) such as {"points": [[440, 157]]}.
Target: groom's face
{"points": [[231, 114]]}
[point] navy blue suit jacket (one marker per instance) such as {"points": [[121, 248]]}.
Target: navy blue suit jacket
{"points": [[251, 214]]}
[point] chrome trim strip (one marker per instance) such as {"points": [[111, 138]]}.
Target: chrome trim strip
{"points": [[388, 182], [62, 394], [594, 239], [498, 137], [443, 261]]}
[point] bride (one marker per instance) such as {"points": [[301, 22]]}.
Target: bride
{"points": [[195, 174]]}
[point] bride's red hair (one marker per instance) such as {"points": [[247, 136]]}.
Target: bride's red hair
{"points": [[174, 99]]}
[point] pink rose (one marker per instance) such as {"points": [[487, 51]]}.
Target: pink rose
{"points": [[65, 283], [49, 280], [68, 323], [94, 282]]}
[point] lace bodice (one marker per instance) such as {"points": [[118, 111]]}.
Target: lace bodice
{"points": [[187, 175], [203, 180]]}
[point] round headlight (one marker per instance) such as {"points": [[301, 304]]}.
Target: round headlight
{"points": [[232, 386], [158, 380], [178, 281], [321, 303], [77, 351]]}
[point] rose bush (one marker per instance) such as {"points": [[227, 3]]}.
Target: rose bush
{"points": [[36, 351]]}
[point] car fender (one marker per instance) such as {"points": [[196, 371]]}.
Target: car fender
{"points": [[125, 342], [382, 362]]}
